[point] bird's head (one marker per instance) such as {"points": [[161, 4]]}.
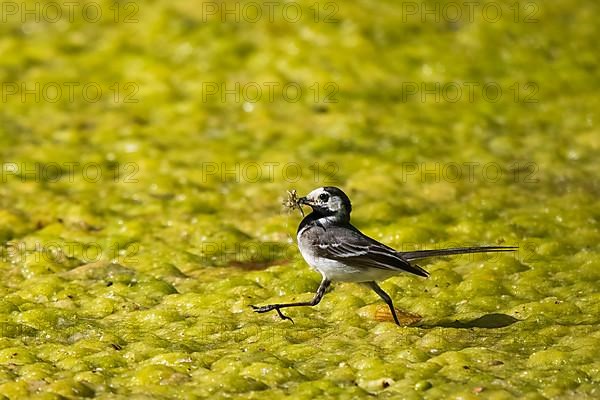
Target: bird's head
{"points": [[329, 201]]}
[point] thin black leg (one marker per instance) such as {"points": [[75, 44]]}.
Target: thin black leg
{"points": [[318, 296], [385, 298]]}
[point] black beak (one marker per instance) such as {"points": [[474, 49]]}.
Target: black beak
{"points": [[303, 200]]}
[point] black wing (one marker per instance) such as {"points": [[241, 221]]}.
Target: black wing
{"points": [[347, 244]]}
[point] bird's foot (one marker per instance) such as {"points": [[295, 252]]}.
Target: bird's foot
{"points": [[270, 307]]}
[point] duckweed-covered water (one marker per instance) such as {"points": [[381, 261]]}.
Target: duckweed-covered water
{"points": [[146, 151]]}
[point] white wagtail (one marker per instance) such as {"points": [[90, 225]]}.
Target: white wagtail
{"points": [[340, 252]]}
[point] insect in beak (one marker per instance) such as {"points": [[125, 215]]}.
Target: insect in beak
{"points": [[293, 201]]}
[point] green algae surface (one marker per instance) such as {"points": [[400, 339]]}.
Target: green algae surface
{"points": [[143, 176]]}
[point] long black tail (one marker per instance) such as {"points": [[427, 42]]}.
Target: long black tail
{"points": [[415, 255]]}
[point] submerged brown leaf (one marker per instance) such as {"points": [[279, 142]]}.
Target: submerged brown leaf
{"points": [[383, 313]]}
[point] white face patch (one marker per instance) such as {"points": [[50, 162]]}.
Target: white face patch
{"points": [[333, 203], [314, 195]]}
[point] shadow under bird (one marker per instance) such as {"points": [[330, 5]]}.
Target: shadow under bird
{"points": [[331, 245]]}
